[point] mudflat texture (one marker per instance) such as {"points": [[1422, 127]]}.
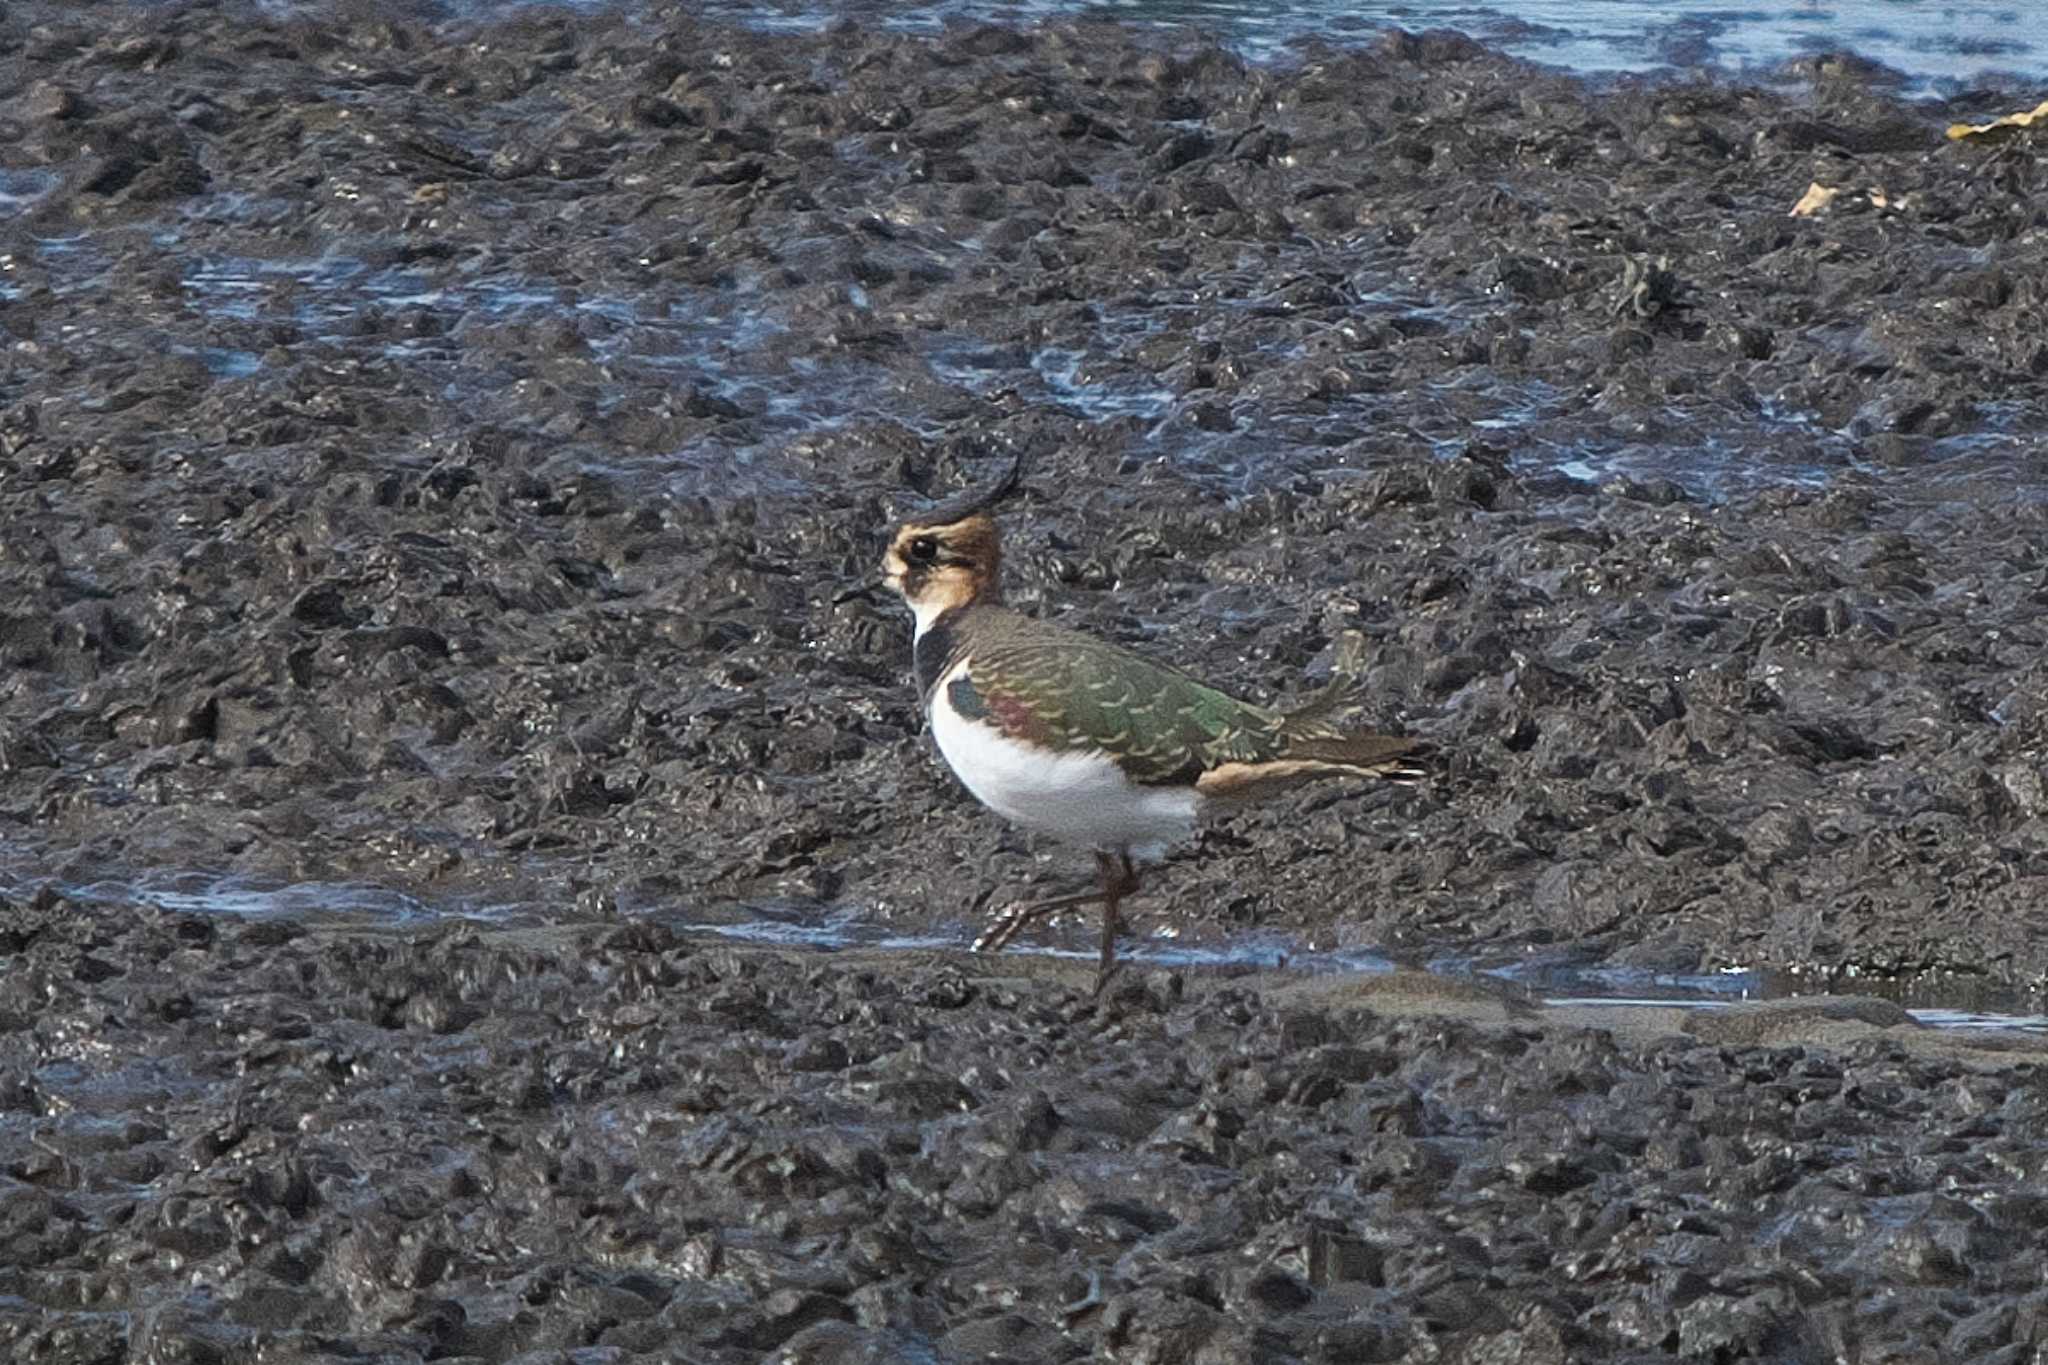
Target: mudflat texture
{"points": [[429, 457], [239, 1142]]}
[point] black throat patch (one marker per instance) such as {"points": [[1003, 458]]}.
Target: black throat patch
{"points": [[934, 651]]}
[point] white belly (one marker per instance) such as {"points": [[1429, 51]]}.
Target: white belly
{"points": [[1083, 798]]}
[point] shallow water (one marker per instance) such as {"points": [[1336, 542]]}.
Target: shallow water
{"points": [[1935, 48], [242, 899], [734, 346], [1553, 980]]}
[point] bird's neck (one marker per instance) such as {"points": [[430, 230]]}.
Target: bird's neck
{"points": [[947, 597]]}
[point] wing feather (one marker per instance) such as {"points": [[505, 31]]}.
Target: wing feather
{"points": [[1078, 693]]}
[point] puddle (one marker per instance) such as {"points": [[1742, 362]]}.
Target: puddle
{"points": [[729, 346], [1935, 47], [771, 382], [226, 361], [717, 346], [732, 346], [334, 289], [2028, 1023], [1554, 979], [1561, 980], [19, 190], [1556, 982], [314, 902]]}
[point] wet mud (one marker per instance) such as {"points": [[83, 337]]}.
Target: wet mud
{"points": [[232, 1140], [429, 457]]}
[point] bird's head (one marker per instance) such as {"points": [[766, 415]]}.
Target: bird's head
{"points": [[950, 555]]}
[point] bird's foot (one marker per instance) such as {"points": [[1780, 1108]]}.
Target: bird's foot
{"points": [[1011, 921], [993, 938]]}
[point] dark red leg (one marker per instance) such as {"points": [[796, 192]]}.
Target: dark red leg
{"points": [[1016, 917], [1119, 879]]}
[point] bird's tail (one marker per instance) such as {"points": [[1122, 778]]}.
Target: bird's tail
{"points": [[1314, 744], [1322, 714], [1391, 758], [1316, 736]]}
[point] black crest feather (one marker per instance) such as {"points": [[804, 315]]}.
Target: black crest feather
{"points": [[969, 501]]}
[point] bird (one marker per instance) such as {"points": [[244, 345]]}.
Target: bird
{"points": [[1069, 735]]}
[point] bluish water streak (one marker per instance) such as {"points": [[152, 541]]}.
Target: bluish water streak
{"points": [[1935, 49]]}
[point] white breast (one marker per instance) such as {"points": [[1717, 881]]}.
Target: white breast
{"points": [[1083, 798]]}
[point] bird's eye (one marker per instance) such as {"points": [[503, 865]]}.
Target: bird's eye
{"points": [[924, 549]]}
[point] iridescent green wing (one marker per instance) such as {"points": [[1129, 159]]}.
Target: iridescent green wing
{"points": [[1075, 693]]}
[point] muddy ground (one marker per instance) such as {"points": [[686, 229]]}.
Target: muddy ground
{"points": [[235, 1141], [428, 457]]}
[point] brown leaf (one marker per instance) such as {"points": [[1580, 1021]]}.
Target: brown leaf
{"points": [[2004, 127]]}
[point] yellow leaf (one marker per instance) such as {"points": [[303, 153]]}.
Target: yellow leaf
{"points": [[1816, 198], [2000, 127]]}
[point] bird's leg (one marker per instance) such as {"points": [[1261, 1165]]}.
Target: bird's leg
{"points": [[1119, 879], [1017, 916]]}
